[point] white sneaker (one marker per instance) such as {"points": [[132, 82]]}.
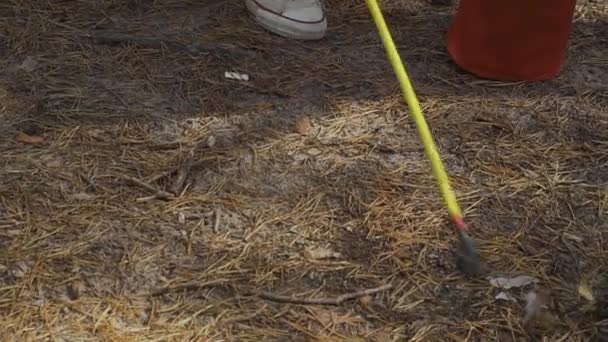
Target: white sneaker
{"points": [[297, 19]]}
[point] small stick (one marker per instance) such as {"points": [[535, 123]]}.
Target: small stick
{"points": [[161, 195], [160, 176], [216, 224], [322, 301], [188, 286], [182, 173], [158, 194]]}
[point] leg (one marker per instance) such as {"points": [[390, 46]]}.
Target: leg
{"points": [[297, 19]]}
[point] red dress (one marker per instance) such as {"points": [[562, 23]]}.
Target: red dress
{"points": [[511, 40]]}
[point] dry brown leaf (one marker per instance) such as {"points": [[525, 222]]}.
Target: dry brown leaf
{"points": [[29, 139], [321, 253], [303, 125]]}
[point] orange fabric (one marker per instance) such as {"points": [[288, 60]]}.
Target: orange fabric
{"points": [[511, 40]]}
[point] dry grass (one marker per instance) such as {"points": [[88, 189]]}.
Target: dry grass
{"points": [[87, 254]]}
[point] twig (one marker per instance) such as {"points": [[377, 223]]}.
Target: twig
{"points": [[161, 195], [140, 183], [322, 301], [190, 285], [160, 176], [158, 194], [182, 172], [216, 224]]}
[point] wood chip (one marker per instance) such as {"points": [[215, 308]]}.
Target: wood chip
{"points": [[29, 139]]}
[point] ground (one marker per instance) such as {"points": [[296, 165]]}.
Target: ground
{"points": [[146, 197]]}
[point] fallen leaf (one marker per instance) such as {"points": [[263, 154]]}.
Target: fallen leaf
{"points": [[29, 64], [321, 253], [29, 139], [507, 283], [505, 296], [535, 302], [303, 125], [586, 292]]}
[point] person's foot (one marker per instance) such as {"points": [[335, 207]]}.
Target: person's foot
{"points": [[297, 19]]}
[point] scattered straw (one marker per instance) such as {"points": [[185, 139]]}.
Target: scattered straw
{"points": [[81, 260]]}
